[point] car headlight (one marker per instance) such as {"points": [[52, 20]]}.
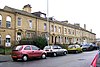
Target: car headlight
{"points": [[44, 51]]}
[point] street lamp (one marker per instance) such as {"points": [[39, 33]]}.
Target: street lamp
{"points": [[48, 34]]}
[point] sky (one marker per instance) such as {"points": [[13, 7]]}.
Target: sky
{"points": [[75, 11]]}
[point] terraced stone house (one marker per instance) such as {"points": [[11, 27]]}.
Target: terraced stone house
{"points": [[16, 24]]}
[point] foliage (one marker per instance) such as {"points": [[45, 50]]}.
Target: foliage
{"points": [[37, 41], [26, 41], [65, 46], [40, 42], [5, 50]]}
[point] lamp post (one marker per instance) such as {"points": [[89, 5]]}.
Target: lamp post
{"points": [[48, 34]]}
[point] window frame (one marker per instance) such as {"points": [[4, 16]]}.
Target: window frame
{"points": [[28, 35], [45, 27], [55, 29], [8, 22], [59, 29], [19, 22], [0, 20], [27, 49], [36, 48], [52, 28], [30, 24]]}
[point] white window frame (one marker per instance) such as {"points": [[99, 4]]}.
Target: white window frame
{"points": [[8, 22], [69, 31], [19, 22], [45, 27], [28, 35], [30, 24], [8, 41], [52, 28], [59, 29], [55, 29], [65, 30], [0, 20], [18, 36]]}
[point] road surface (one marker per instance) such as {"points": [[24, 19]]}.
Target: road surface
{"points": [[70, 60]]}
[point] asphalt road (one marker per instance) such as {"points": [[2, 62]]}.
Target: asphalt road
{"points": [[71, 60]]}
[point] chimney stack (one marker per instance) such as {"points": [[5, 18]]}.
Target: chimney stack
{"points": [[85, 26], [90, 30], [77, 24], [27, 8], [66, 21]]}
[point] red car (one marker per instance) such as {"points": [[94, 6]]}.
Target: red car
{"points": [[26, 52]]}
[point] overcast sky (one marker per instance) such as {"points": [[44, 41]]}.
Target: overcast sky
{"points": [[75, 11]]}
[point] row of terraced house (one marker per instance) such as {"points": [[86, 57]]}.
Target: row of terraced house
{"points": [[16, 24]]}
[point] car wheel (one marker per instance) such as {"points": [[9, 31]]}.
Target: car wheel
{"points": [[81, 51], [43, 56], [65, 53], [14, 59], [25, 58], [54, 54], [76, 51]]}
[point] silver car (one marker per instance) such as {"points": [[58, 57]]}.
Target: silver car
{"points": [[55, 50]]}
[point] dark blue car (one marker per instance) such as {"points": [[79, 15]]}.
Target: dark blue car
{"points": [[86, 47]]}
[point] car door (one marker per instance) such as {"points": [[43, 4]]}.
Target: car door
{"points": [[60, 49], [36, 51], [28, 51], [55, 49]]}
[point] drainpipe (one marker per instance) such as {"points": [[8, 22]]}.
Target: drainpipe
{"points": [[36, 27], [15, 30]]}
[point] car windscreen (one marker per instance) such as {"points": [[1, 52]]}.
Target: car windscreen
{"points": [[47, 47], [35, 48], [17, 47], [71, 46], [86, 45]]}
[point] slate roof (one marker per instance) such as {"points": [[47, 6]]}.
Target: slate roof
{"points": [[13, 10]]}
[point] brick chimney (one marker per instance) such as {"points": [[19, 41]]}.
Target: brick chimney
{"points": [[27, 8]]}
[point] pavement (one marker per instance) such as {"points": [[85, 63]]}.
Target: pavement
{"points": [[5, 58]]}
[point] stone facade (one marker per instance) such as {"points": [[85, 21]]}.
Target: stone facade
{"points": [[17, 24]]}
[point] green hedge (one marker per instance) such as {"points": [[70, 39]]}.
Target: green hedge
{"points": [[5, 50]]}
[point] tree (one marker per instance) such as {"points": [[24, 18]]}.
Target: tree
{"points": [[40, 42]]}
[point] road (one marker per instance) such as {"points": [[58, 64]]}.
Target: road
{"points": [[71, 60]]}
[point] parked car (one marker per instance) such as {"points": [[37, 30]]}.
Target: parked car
{"points": [[26, 52], [55, 50], [96, 61], [95, 47], [86, 47], [74, 49]]}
